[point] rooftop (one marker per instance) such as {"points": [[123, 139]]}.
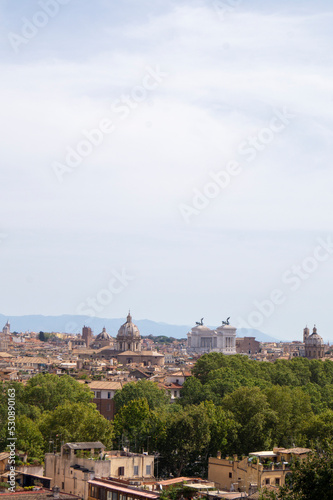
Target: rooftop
{"points": [[36, 495], [85, 446]]}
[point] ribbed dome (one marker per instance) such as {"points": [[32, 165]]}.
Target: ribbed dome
{"points": [[103, 335], [128, 330], [314, 338]]}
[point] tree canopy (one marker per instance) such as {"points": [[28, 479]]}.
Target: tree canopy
{"points": [[156, 397]]}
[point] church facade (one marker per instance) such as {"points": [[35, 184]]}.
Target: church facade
{"points": [[314, 344], [202, 339]]}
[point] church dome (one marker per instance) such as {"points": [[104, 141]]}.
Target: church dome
{"points": [[128, 330], [103, 335], [314, 338]]}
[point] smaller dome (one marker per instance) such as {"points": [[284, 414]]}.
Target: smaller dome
{"points": [[103, 335]]}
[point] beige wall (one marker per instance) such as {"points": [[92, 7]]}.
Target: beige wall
{"points": [[74, 481], [242, 474]]}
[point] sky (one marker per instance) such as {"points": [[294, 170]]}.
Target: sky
{"points": [[171, 157]]}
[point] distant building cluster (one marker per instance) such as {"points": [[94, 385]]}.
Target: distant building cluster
{"points": [[105, 364]]}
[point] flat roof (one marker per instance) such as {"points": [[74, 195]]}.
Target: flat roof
{"points": [[263, 454], [85, 445], [134, 492], [295, 451]]}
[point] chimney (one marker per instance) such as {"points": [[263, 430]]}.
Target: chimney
{"points": [[55, 491]]}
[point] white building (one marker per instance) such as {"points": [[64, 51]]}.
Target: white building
{"points": [[202, 339]]}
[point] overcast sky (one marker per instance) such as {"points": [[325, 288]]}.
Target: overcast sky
{"points": [[209, 188]]}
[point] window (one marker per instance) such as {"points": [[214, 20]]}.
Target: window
{"points": [[267, 481], [108, 407], [230, 475], [62, 486], [136, 470], [114, 495], [175, 393], [109, 395], [98, 394], [121, 471], [148, 470], [277, 481]]}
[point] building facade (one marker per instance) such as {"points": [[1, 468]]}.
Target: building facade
{"points": [[78, 463], [247, 345], [103, 339], [87, 335], [260, 469], [202, 339], [103, 397], [6, 329], [128, 337], [314, 344]]}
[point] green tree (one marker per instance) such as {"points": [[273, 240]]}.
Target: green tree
{"points": [[47, 391], [194, 392], [136, 423], [293, 410], [256, 419], [319, 428], [186, 438], [223, 430], [144, 389], [29, 437], [75, 422]]}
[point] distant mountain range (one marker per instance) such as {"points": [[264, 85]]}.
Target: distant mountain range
{"points": [[73, 324]]}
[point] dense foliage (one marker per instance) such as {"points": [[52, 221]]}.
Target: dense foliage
{"points": [[51, 410], [234, 405], [231, 404], [156, 398]]}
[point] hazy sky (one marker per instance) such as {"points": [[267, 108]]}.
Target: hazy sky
{"points": [[207, 190]]}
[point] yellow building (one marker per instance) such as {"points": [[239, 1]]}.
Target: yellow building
{"points": [[251, 473], [79, 463]]}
